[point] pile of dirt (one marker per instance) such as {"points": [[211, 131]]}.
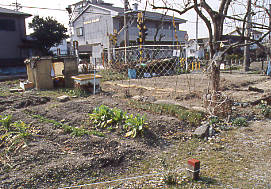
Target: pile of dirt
{"points": [[21, 101]]}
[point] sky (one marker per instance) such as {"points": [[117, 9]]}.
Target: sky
{"points": [[62, 16]]}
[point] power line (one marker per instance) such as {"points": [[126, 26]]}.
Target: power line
{"points": [[31, 7]]}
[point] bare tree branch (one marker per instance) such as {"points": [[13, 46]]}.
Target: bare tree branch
{"points": [[172, 9]]}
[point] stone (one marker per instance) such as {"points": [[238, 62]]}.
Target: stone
{"points": [[202, 131], [244, 105], [63, 98], [138, 98], [16, 90]]}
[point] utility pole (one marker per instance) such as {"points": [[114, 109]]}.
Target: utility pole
{"points": [[197, 32], [247, 35], [126, 34]]}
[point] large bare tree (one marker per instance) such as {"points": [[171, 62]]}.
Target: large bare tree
{"points": [[214, 20]]}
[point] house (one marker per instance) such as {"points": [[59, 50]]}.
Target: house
{"points": [[12, 37], [94, 21], [256, 35], [61, 49], [197, 48]]}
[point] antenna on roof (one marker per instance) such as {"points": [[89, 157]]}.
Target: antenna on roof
{"points": [[17, 6]]}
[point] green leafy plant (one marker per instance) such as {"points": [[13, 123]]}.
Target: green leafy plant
{"points": [[134, 125], [105, 117], [12, 133], [5, 121], [240, 122]]}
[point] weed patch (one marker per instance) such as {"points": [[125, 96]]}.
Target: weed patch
{"points": [[190, 117], [240, 122], [74, 131], [265, 109], [111, 75]]}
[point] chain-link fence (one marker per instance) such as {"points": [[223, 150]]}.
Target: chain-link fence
{"points": [[159, 72], [150, 61]]}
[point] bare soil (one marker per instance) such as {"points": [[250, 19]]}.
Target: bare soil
{"points": [[53, 158]]}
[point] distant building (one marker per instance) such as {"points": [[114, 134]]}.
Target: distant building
{"points": [[12, 37], [93, 22], [256, 35], [197, 49], [61, 49]]}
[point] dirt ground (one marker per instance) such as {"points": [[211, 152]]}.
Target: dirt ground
{"points": [[188, 89], [52, 158]]}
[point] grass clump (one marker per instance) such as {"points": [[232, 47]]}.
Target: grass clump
{"points": [[191, 117], [76, 92], [104, 117], [170, 178]]}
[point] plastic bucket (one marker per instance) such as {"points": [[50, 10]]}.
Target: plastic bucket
{"points": [[132, 73]]}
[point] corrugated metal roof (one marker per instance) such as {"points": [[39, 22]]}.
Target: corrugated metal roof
{"points": [[8, 11]]}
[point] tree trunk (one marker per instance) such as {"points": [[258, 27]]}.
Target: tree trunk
{"points": [[215, 78]]}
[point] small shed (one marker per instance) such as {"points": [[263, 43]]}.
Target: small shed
{"points": [[49, 72]]}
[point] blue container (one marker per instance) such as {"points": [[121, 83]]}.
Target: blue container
{"points": [[132, 73]]}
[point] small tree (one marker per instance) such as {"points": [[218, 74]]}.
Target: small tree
{"points": [[47, 32]]}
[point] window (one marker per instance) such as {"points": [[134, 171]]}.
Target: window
{"points": [[7, 25], [79, 31]]}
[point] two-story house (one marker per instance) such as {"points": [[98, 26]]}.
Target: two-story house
{"points": [[12, 38], [94, 21]]}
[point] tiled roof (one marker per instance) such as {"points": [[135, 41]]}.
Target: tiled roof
{"points": [[148, 14], [8, 11]]}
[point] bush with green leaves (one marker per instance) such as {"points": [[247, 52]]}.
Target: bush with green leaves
{"points": [[104, 117]]}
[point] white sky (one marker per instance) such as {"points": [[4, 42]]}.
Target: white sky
{"points": [[62, 16]]}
